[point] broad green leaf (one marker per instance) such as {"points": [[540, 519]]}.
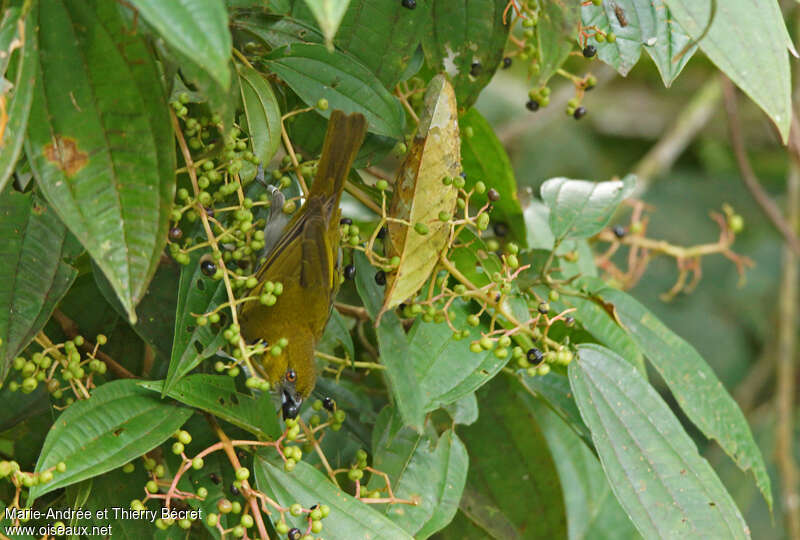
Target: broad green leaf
{"points": [[103, 152], [464, 410], [672, 48], [555, 37], [274, 32], [419, 195], [484, 159], [197, 29], [262, 112], [119, 486], [633, 22], [18, 97], [665, 486], [336, 333], [156, 311], [578, 208], [349, 518], [197, 294], [747, 41], [118, 423], [328, 14], [392, 346], [466, 39], [383, 35], [554, 390], [446, 370], [593, 512], [421, 467], [33, 275], [217, 395], [315, 73], [512, 484], [696, 388]]}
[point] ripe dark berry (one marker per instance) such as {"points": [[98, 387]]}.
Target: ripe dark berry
{"points": [[209, 211], [175, 233], [619, 231], [345, 221], [409, 4], [380, 277], [506, 62], [543, 308], [500, 229], [532, 105], [382, 233], [208, 267], [294, 534], [329, 404], [475, 69], [350, 271], [579, 113], [234, 490], [589, 51], [214, 478], [493, 195], [534, 356], [569, 321]]}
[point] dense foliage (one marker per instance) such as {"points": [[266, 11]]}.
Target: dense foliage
{"points": [[483, 373]]}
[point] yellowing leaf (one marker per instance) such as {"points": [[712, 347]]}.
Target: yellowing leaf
{"points": [[420, 196]]}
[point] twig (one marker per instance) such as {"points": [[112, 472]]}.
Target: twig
{"points": [[749, 177], [355, 312]]}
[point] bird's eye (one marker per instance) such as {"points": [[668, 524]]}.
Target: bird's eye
{"points": [[291, 376]]}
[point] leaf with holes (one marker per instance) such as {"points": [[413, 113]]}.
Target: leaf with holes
{"points": [[216, 394], [665, 486], [117, 424], [18, 97], [197, 294], [33, 275], [420, 196], [103, 152], [262, 113]]}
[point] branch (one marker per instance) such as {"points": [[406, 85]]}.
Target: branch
{"points": [[749, 177]]}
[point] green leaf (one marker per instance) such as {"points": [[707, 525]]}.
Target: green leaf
{"points": [[507, 438], [665, 486], [262, 112], [274, 32], [20, 96], [392, 345], [696, 388], [578, 208], [328, 14], [747, 41], [315, 73], [33, 275], [119, 486], [103, 153], [671, 50], [592, 510], [633, 22], [349, 518], [197, 29], [555, 37], [383, 35], [192, 344], [337, 333], [484, 159], [217, 395], [464, 410], [422, 468], [462, 35], [118, 423]]}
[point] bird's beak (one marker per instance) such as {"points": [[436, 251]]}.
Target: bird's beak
{"points": [[290, 404]]}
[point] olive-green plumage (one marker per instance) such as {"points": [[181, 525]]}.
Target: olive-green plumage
{"points": [[305, 261]]}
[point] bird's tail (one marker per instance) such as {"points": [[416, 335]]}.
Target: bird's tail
{"points": [[342, 141]]}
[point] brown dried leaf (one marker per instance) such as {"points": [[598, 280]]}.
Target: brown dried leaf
{"points": [[420, 196]]}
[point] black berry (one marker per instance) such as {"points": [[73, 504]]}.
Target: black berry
{"points": [[493, 195], [294, 534], [345, 221], [234, 490], [506, 62], [409, 4], [500, 229], [209, 211], [382, 233], [350, 271], [214, 478], [475, 69], [380, 277], [589, 51], [208, 267], [569, 321], [175, 233], [534, 356], [532, 105], [619, 231], [543, 308], [579, 113], [329, 404]]}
